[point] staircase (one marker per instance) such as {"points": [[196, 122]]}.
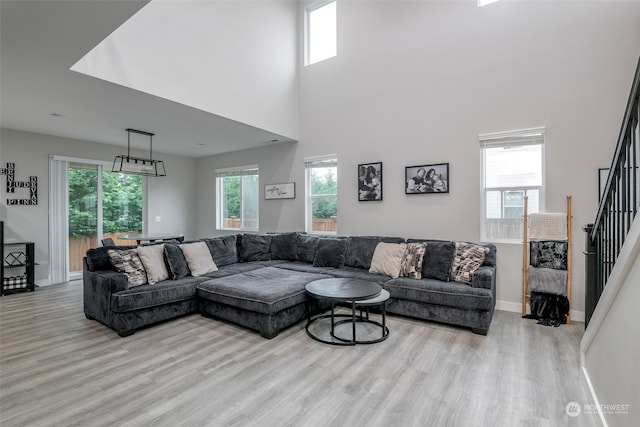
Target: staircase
{"points": [[610, 348], [618, 207]]}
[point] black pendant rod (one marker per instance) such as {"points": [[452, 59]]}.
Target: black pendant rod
{"points": [[141, 132]]}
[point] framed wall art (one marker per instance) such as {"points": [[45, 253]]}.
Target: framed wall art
{"points": [[280, 191], [370, 182], [427, 179]]}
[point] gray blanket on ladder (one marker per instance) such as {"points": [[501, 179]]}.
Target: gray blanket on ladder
{"points": [[547, 280]]}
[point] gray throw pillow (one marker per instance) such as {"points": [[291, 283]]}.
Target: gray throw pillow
{"points": [[330, 253], [306, 246], [255, 247], [438, 258], [224, 250], [360, 251], [176, 262], [284, 246]]}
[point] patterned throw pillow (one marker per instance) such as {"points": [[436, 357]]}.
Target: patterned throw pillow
{"points": [[412, 262], [128, 262], [468, 259]]}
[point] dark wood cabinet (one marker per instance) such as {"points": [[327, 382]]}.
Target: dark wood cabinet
{"points": [[18, 266]]}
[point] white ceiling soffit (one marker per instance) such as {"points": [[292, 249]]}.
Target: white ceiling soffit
{"points": [[233, 59], [40, 40]]}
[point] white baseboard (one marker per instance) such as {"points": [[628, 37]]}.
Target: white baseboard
{"points": [[516, 307], [43, 282], [595, 398]]}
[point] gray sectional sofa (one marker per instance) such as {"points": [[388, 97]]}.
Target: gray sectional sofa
{"points": [[260, 283]]}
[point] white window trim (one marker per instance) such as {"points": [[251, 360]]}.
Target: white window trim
{"points": [[308, 197], [482, 3], [310, 7], [497, 139], [221, 172]]}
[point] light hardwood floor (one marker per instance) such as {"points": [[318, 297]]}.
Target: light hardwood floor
{"points": [[59, 369]]}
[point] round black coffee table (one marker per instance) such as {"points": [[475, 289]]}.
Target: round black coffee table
{"points": [[352, 291]]}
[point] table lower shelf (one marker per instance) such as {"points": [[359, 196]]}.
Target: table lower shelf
{"points": [[333, 334]]}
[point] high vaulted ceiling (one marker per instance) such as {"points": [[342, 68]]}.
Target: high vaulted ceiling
{"points": [[41, 40]]}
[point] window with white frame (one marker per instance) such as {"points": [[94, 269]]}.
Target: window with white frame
{"points": [[238, 192], [321, 195], [321, 39], [512, 168]]}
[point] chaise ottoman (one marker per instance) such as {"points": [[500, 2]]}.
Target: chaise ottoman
{"points": [[266, 300]]}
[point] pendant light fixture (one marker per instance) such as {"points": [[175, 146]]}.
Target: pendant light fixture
{"points": [[138, 165]]}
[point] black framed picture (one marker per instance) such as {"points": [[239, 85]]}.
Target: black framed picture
{"points": [[426, 179], [370, 182]]}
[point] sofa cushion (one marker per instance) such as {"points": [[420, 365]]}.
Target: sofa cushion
{"points": [[357, 273], [411, 265], [452, 294], [267, 290], [152, 258], [98, 258], [306, 246], [147, 296], [438, 258], [305, 267], [387, 259], [176, 263], [231, 269], [330, 253], [360, 249], [284, 246], [198, 258], [255, 247], [128, 262], [224, 250], [469, 257]]}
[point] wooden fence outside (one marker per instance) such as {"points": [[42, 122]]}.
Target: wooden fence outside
{"points": [[328, 224]]}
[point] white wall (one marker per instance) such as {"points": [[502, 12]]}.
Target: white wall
{"points": [[235, 59], [416, 82], [610, 348], [277, 164], [172, 197]]}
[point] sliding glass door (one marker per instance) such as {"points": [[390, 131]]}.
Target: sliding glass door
{"points": [[101, 204], [83, 212]]}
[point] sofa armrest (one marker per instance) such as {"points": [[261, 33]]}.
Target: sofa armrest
{"points": [[98, 286], [484, 277], [108, 282]]}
